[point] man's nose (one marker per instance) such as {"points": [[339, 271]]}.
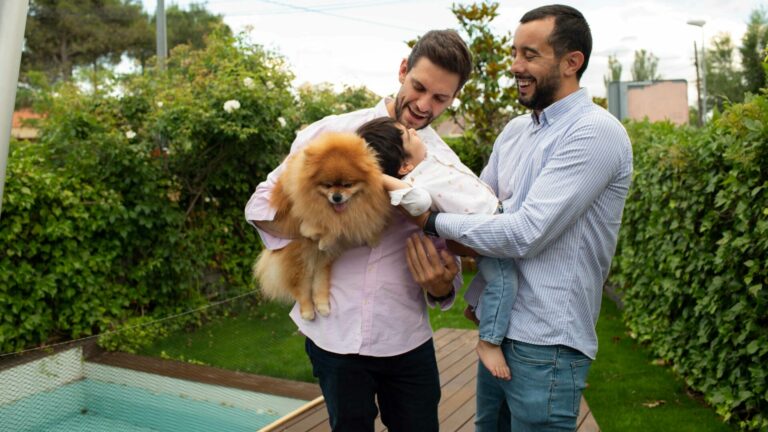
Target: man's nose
{"points": [[517, 65], [423, 104]]}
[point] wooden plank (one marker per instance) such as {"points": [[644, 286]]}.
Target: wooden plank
{"points": [[312, 419], [457, 362], [589, 424], [209, 375], [586, 421], [290, 417]]}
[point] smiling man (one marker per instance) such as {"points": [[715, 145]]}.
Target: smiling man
{"points": [[563, 173], [374, 352]]}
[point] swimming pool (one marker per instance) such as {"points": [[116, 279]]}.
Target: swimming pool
{"points": [[53, 395]]}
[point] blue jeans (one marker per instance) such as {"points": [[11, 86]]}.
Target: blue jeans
{"points": [[407, 387], [543, 395], [498, 296]]}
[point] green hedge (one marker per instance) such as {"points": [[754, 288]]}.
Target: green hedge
{"points": [[129, 207], [692, 258]]}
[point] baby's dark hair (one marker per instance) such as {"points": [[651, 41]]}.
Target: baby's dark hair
{"points": [[386, 139]]}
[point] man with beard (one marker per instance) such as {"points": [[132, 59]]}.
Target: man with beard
{"points": [[562, 173], [376, 344]]}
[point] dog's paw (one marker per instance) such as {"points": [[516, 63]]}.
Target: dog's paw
{"points": [[324, 309], [308, 315]]}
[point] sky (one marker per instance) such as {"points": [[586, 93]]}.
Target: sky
{"points": [[361, 42]]}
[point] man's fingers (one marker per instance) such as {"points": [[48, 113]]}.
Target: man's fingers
{"points": [[414, 264], [450, 262]]}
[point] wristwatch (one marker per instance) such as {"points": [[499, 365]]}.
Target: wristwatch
{"points": [[429, 226], [441, 298]]}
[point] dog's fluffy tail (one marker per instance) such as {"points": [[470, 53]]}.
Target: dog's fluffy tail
{"points": [[267, 271]]}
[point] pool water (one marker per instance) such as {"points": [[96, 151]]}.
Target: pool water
{"points": [[91, 405]]}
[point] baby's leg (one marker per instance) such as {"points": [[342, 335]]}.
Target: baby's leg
{"points": [[496, 304]]}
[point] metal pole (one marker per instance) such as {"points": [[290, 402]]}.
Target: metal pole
{"points": [[698, 82], [162, 40], [703, 78], [13, 19]]}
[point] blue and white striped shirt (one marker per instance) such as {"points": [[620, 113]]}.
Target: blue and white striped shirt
{"points": [[563, 179]]}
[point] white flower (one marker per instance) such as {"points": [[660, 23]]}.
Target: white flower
{"points": [[130, 134], [249, 83], [160, 104], [231, 105], [281, 121], [270, 86]]}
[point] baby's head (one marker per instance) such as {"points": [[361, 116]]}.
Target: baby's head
{"points": [[399, 149]]}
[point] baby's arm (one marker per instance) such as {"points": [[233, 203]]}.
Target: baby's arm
{"points": [[415, 201], [392, 183]]}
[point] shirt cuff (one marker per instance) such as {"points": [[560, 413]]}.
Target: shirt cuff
{"points": [[448, 225], [444, 304], [415, 201]]}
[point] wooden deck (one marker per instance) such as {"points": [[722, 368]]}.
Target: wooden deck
{"points": [[457, 362]]}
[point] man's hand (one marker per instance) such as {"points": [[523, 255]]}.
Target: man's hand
{"points": [[419, 220], [433, 271], [459, 249]]}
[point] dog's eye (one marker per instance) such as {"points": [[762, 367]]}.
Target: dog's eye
{"points": [[346, 185], [328, 185]]}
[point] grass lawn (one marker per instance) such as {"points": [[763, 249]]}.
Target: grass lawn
{"points": [[626, 387], [263, 340]]}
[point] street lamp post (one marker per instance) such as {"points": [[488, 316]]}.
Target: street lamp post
{"points": [[700, 23]]}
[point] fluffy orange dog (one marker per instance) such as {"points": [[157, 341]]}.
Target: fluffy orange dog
{"points": [[331, 193]]}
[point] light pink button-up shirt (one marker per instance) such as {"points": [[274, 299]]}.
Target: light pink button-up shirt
{"points": [[376, 307]]}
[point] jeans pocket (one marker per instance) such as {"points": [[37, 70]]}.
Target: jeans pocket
{"points": [[531, 354], [579, 370]]}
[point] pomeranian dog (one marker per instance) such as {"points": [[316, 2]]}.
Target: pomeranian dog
{"points": [[331, 192]]}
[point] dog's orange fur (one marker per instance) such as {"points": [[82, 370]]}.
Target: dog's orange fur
{"points": [[336, 165]]}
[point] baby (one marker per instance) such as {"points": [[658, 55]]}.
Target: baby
{"points": [[418, 181]]}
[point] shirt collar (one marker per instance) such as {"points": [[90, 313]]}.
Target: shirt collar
{"points": [[380, 110], [561, 108]]}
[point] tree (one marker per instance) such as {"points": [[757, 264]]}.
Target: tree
{"points": [[320, 100], [64, 34], [614, 70], [488, 99], [753, 50], [644, 66], [188, 27], [724, 80]]}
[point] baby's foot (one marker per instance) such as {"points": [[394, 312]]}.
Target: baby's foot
{"points": [[493, 359]]}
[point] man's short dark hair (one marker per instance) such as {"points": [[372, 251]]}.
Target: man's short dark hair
{"points": [[444, 48], [571, 32], [384, 137]]}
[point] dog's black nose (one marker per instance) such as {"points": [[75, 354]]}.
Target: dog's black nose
{"points": [[337, 197]]}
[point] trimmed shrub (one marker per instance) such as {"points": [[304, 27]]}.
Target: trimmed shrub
{"points": [[692, 258]]}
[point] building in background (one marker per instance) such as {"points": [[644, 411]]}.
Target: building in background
{"points": [[654, 100], [22, 127]]}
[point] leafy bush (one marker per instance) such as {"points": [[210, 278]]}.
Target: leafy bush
{"points": [[321, 100], [692, 258], [130, 204]]}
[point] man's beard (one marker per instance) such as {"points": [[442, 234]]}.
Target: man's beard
{"points": [[546, 88], [400, 107]]}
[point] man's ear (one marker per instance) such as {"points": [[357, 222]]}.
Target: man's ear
{"points": [[405, 168], [572, 62], [403, 70]]}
